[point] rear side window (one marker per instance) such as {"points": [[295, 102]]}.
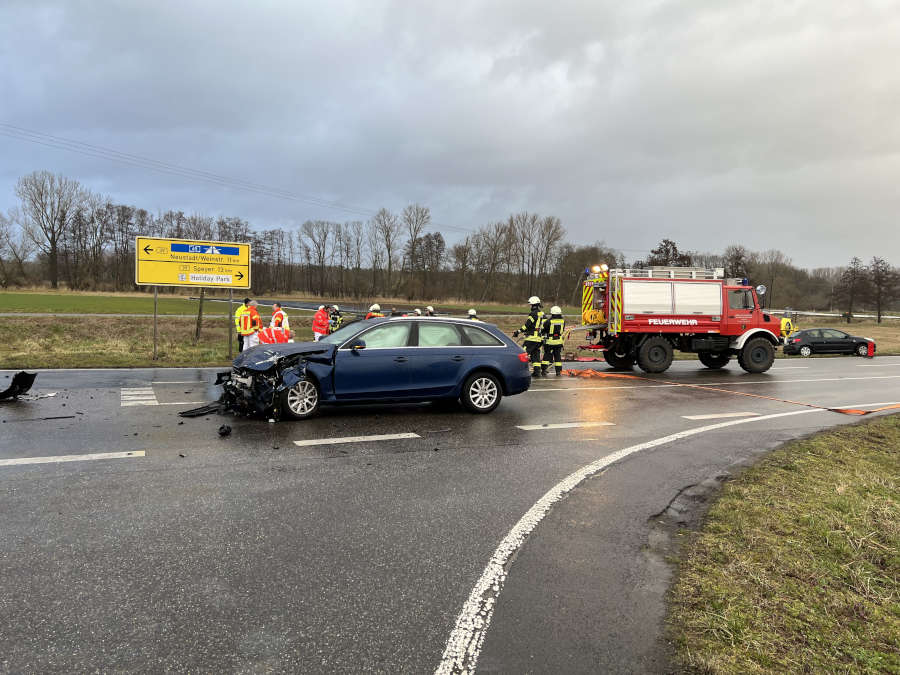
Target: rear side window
{"points": [[740, 300], [831, 333], [387, 336], [481, 338], [813, 333], [438, 335]]}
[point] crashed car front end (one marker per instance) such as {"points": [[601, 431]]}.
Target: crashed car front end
{"points": [[259, 375]]}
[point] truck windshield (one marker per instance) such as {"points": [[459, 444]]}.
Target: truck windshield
{"points": [[740, 299]]}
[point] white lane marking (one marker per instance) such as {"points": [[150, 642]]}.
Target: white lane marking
{"points": [[877, 365], [717, 416], [70, 458], [126, 404], [355, 439], [182, 382], [464, 644], [789, 367], [132, 396], [563, 425], [716, 384]]}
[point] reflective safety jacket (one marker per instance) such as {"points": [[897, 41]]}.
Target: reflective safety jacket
{"points": [[335, 321], [553, 330], [531, 329], [320, 322], [272, 335], [237, 316], [247, 325], [280, 320], [374, 315]]}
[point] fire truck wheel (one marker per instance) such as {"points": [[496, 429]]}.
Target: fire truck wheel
{"points": [[619, 358], [757, 355], [655, 354], [714, 360]]}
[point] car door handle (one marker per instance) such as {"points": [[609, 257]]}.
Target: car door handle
{"points": [[401, 359], [457, 358]]}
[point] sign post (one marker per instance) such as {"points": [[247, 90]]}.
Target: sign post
{"points": [[230, 319], [155, 314], [191, 263]]}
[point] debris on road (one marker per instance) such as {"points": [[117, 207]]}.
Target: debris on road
{"points": [[224, 430], [21, 383]]}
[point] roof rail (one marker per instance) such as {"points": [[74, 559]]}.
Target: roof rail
{"points": [[668, 272]]}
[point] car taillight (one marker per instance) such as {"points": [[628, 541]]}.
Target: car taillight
{"points": [[523, 357], [793, 340]]}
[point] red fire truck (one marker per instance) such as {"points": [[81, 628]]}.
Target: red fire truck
{"points": [[644, 315]]}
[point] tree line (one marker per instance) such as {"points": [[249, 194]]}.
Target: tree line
{"points": [[62, 233]]}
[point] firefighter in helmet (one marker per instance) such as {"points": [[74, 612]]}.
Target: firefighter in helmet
{"points": [[374, 311], [429, 311], [473, 315], [531, 329], [553, 340]]}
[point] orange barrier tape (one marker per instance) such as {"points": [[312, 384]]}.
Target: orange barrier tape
{"points": [[590, 373]]}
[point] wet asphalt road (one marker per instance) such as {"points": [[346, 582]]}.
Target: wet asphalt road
{"points": [[250, 554]]}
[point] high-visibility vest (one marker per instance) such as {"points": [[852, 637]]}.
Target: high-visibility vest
{"points": [[279, 319], [335, 321], [320, 322], [554, 331], [272, 335], [532, 327], [237, 315], [245, 322]]}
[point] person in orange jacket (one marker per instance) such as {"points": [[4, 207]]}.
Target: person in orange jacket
{"points": [[374, 312], [320, 323], [251, 339]]}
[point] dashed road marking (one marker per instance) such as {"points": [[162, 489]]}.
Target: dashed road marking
{"points": [[877, 365], [355, 439], [719, 416], [563, 425], [182, 382], [134, 396], [464, 645], [71, 458], [789, 367]]}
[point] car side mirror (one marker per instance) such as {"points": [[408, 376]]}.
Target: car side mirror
{"points": [[357, 345]]}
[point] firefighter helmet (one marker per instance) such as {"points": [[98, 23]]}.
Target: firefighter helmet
{"points": [[472, 312], [417, 311], [336, 308], [429, 309], [321, 306], [555, 310], [534, 300], [375, 308]]}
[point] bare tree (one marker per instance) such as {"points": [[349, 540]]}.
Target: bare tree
{"points": [[415, 219], [388, 227], [49, 203], [883, 280], [376, 254], [15, 248], [461, 255], [317, 233], [854, 281]]}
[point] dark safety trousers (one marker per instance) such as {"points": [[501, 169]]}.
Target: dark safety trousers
{"points": [[553, 354], [533, 349]]}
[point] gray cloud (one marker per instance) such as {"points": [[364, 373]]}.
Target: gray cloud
{"points": [[771, 124]]}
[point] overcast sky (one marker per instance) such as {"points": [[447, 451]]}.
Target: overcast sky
{"points": [[771, 124]]}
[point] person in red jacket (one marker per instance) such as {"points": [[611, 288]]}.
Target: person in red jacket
{"points": [[320, 323]]}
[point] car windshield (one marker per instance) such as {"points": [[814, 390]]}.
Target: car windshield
{"points": [[343, 333]]}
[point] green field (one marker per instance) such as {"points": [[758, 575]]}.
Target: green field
{"points": [[797, 567], [90, 303]]}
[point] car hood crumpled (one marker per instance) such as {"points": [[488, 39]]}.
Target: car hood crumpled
{"points": [[264, 357]]}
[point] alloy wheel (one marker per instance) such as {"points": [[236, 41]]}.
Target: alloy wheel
{"points": [[302, 398], [483, 392]]}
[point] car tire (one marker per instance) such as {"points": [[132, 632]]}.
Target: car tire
{"points": [[805, 350], [300, 401], [619, 358], [862, 349], [655, 354], [481, 393], [714, 360], [757, 355]]}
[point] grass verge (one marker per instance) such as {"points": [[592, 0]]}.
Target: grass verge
{"points": [[797, 567]]}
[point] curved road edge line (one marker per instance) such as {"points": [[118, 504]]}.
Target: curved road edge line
{"points": [[467, 638]]}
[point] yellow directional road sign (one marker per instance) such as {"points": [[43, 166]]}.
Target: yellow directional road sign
{"points": [[187, 262]]}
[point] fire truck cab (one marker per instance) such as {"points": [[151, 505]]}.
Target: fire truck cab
{"points": [[643, 315]]}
